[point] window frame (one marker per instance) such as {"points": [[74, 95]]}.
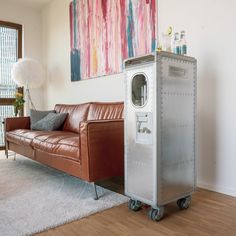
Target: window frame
{"points": [[18, 27]]}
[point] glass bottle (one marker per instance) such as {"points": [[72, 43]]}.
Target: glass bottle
{"points": [[176, 44], [183, 43], [168, 39]]}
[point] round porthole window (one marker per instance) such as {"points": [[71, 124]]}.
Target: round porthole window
{"points": [[139, 90]]}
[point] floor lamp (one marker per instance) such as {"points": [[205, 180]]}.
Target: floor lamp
{"points": [[28, 73]]}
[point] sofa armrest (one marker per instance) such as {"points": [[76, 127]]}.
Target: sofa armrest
{"points": [[102, 148], [17, 123]]}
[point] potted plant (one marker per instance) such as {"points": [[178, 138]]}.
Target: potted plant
{"points": [[19, 104]]}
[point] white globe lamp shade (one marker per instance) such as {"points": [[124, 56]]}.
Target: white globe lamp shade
{"points": [[28, 72]]}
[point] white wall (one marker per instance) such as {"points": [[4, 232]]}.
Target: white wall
{"points": [[59, 88], [32, 35], [211, 39]]}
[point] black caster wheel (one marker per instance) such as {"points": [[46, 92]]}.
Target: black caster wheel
{"points": [[134, 205], [184, 203], [156, 214]]}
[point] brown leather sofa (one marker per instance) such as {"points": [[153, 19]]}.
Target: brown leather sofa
{"points": [[90, 145]]}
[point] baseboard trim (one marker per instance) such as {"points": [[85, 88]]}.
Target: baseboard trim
{"points": [[219, 189]]}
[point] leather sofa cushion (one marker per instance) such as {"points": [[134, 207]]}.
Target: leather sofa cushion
{"points": [[55, 142], [23, 136], [106, 111], [59, 142], [76, 114]]}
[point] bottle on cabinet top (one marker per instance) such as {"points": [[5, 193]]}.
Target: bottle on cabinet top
{"points": [[183, 43], [176, 45]]}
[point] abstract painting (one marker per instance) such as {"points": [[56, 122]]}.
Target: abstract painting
{"points": [[105, 32]]}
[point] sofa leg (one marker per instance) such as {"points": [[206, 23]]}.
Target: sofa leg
{"points": [[6, 153], [6, 150], [95, 192]]}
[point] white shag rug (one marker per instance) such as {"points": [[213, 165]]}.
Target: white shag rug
{"points": [[34, 197]]}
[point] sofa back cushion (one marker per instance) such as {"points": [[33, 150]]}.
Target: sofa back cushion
{"points": [[105, 111], [89, 111], [76, 114]]}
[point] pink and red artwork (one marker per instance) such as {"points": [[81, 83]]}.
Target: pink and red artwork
{"points": [[105, 32]]}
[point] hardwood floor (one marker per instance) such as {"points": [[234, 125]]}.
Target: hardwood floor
{"points": [[209, 214]]}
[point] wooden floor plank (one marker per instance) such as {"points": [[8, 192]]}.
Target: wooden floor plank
{"points": [[209, 214]]}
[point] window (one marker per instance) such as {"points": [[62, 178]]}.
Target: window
{"points": [[139, 90], [10, 51]]}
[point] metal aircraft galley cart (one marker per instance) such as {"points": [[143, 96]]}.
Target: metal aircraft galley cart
{"points": [[160, 131]]}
